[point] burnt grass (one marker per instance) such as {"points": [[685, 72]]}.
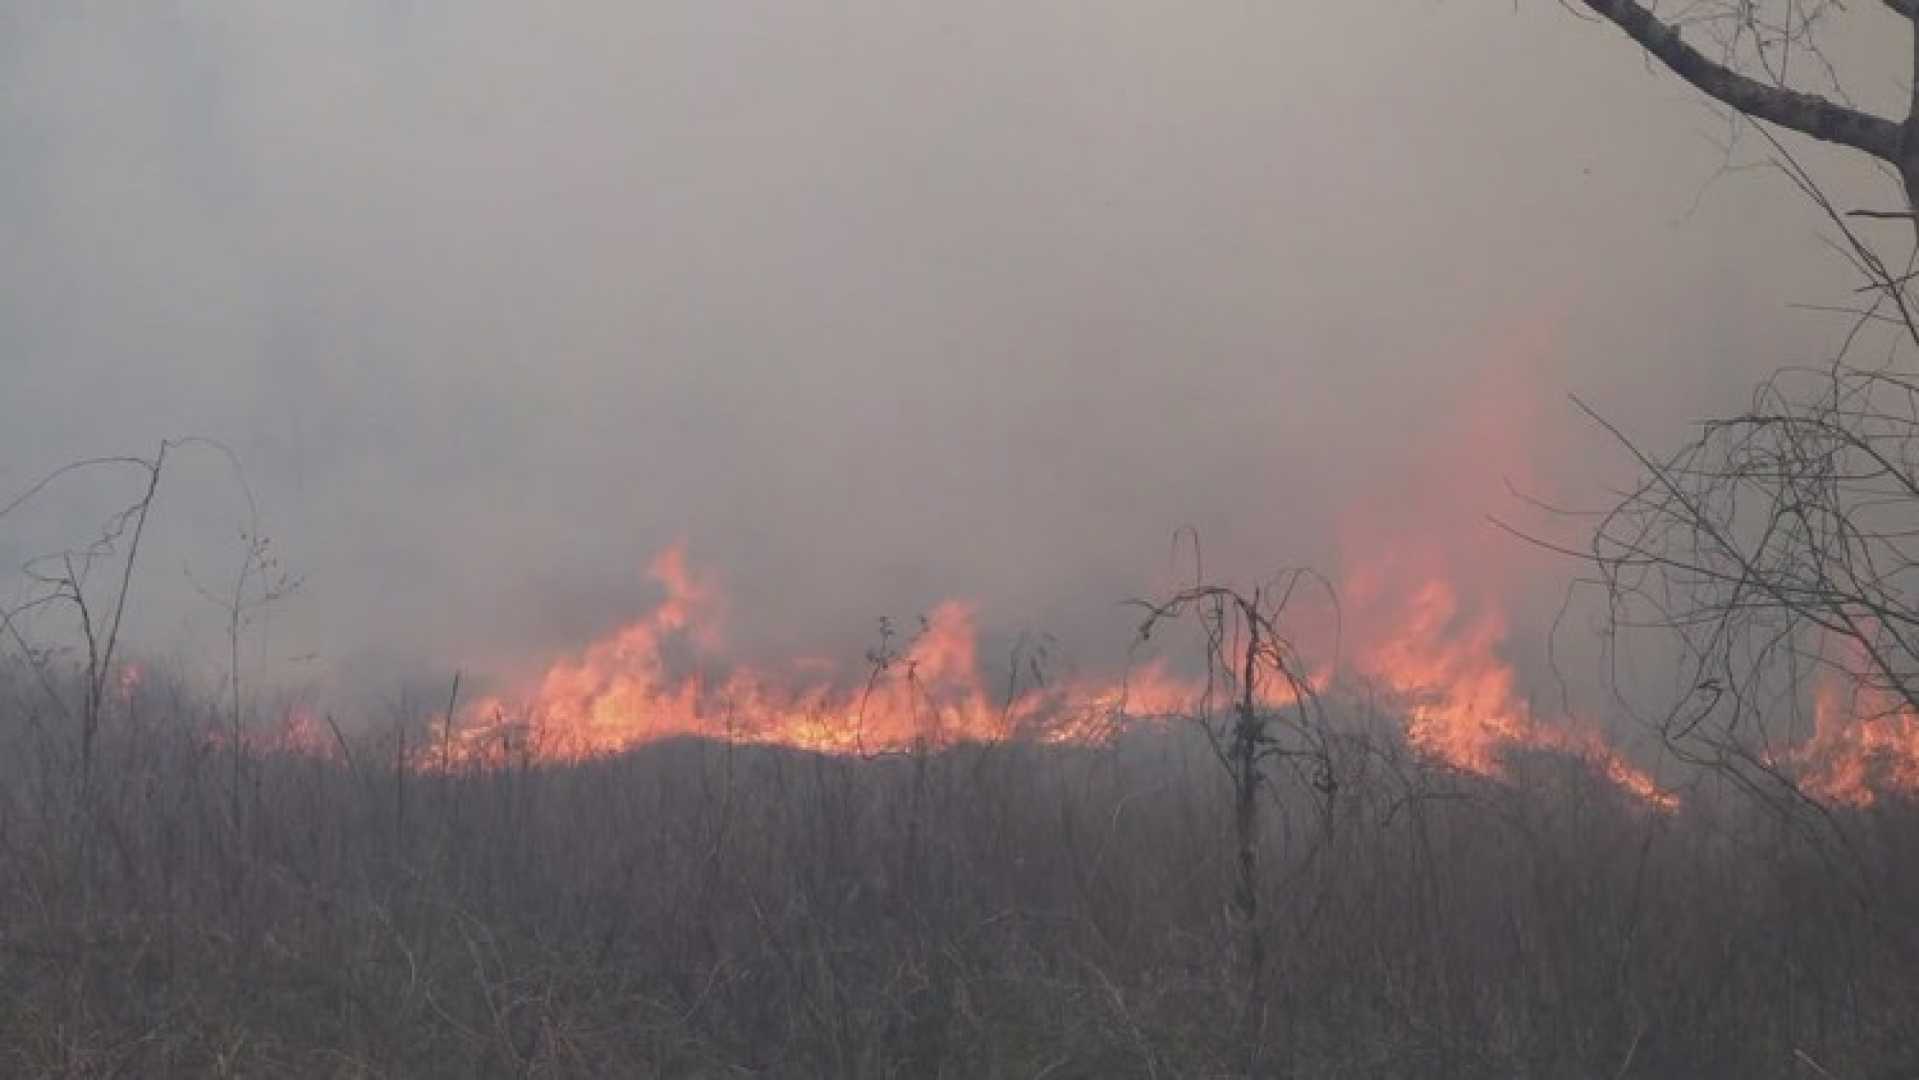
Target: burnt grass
{"points": [[1012, 910]]}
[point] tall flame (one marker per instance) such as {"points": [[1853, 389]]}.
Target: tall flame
{"points": [[1463, 706], [1865, 738]]}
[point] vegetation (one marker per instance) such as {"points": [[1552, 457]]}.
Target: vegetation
{"points": [[181, 895], [702, 909]]}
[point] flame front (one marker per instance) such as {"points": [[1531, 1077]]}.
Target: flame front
{"points": [[665, 675], [626, 690], [1423, 622]]}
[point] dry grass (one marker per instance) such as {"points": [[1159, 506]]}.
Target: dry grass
{"points": [[692, 909]]}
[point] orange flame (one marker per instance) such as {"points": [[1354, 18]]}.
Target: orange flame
{"points": [[1464, 707], [1417, 638], [663, 675], [624, 690], [1865, 740]]}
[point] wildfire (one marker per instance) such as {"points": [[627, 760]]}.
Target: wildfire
{"points": [[1425, 623], [1865, 740], [1463, 704], [665, 675], [628, 689]]}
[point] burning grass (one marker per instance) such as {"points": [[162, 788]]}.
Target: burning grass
{"points": [[1421, 643]]}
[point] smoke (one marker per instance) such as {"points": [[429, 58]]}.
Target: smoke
{"points": [[871, 305]]}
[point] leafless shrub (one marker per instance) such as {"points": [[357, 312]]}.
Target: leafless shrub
{"points": [[1275, 716]]}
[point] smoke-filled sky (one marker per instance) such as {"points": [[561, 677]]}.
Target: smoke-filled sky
{"points": [[870, 304]]}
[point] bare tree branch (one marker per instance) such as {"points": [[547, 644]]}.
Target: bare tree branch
{"points": [[1808, 114]]}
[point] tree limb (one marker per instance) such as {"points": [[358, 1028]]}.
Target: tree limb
{"points": [[1808, 114]]}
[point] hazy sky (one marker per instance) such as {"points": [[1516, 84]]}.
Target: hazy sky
{"points": [[870, 303]]}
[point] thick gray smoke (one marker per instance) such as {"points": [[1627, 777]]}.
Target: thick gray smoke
{"points": [[870, 304]]}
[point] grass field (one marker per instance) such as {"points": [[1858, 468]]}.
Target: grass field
{"points": [[1013, 910]]}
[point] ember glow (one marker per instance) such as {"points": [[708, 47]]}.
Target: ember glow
{"points": [[129, 680], [297, 731]]}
